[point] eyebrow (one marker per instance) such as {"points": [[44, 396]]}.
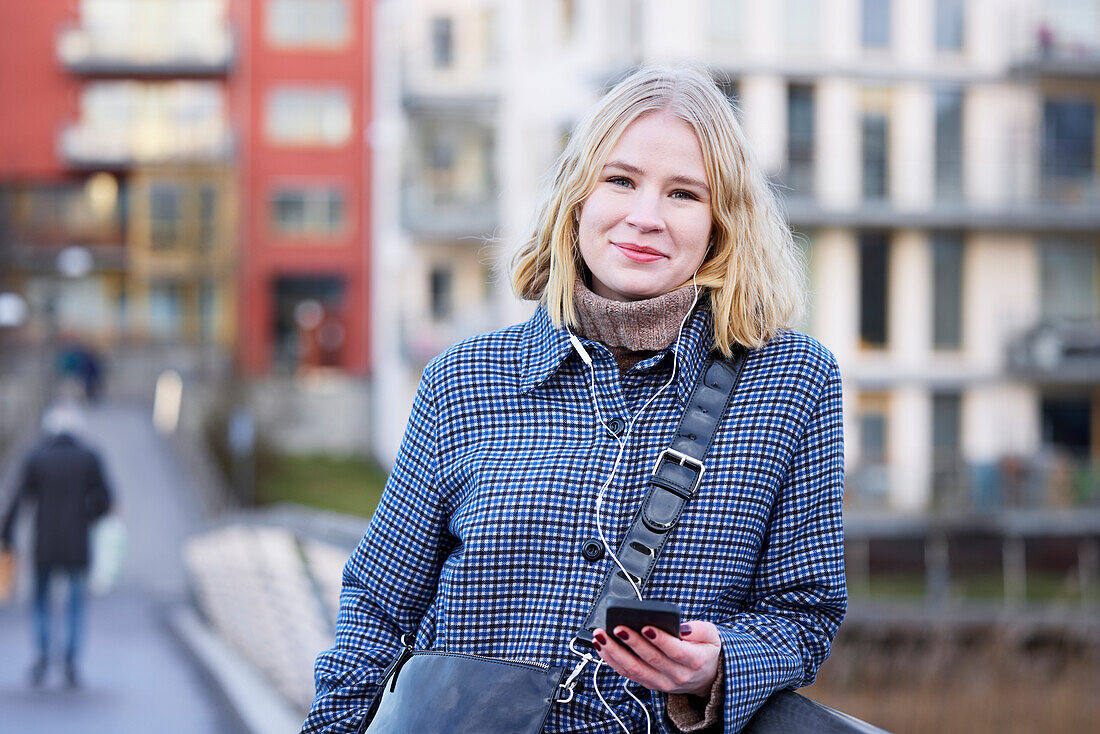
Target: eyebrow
{"points": [[679, 178]]}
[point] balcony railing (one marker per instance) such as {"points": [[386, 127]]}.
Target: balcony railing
{"points": [[429, 211], [1051, 480], [83, 51], [1067, 352], [85, 145]]}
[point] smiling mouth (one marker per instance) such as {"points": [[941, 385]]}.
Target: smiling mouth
{"points": [[638, 253]]}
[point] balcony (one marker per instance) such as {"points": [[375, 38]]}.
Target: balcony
{"points": [[1064, 353], [89, 146], [1052, 480], [82, 51], [435, 213]]}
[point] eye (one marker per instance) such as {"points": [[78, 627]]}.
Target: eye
{"points": [[620, 181], [684, 195]]}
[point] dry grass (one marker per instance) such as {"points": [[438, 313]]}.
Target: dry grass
{"points": [[974, 683]]}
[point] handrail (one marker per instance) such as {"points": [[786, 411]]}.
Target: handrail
{"points": [[787, 712]]}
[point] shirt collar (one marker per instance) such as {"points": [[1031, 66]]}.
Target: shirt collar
{"points": [[695, 344], [545, 348]]}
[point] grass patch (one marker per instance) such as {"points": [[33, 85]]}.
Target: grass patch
{"points": [[352, 486]]}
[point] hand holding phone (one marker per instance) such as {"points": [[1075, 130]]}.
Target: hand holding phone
{"points": [[635, 614]]}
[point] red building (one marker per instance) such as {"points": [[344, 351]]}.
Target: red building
{"points": [[304, 167], [209, 155]]}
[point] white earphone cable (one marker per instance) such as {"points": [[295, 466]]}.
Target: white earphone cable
{"points": [[621, 440]]}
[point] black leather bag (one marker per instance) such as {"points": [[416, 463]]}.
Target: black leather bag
{"points": [[435, 691]]}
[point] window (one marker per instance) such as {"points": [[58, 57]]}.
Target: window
{"points": [[165, 309], [309, 116], [948, 472], [949, 157], [441, 287], [308, 212], [209, 307], [803, 29], [208, 216], [872, 411], [442, 41], [308, 322], [945, 424], [1068, 150], [950, 24], [876, 172], [164, 213], [873, 273], [1067, 424], [308, 23], [876, 23], [1070, 273], [947, 249], [868, 483], [800, 139]]}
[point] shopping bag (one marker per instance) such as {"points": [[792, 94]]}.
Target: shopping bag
{"points": [[7, 576], [108, 553]]}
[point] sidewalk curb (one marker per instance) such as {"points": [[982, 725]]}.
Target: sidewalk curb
{"points": [[260, 709]]}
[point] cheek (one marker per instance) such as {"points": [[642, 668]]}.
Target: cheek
{"points": [[696, 238], [593, 222]]}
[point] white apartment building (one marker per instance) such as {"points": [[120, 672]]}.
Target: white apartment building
{"points": [[938, 159]]}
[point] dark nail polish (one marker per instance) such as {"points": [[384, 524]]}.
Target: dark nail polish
{"points": [[685, 630], [597, 645], [600, 639], [650, 633], [622, 635]]}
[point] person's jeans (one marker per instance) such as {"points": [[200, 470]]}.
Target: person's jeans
{"points": [[74, 617]]}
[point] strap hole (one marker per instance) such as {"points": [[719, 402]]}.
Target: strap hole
{"points": [[642, 548], [632, 577]]}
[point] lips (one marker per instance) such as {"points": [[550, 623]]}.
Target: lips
{"points": [[638, 253]]}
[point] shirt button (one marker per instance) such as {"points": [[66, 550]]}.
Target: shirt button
{"points": [[592, 550], [615, 427]]}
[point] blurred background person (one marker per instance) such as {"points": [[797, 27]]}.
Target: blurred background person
{"points": [[64, 480]]}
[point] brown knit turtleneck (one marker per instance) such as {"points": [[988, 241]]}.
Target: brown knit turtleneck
{"points": [[632, 330]]}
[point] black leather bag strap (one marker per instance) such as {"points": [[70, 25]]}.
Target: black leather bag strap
{"points": [[676, 475]]}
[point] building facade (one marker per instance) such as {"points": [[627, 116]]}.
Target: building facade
{"points": [[938, 161], [205, 161]]}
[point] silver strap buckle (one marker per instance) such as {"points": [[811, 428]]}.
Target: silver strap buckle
{"points": [[683, 460]]}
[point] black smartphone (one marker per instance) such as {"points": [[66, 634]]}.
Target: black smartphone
{"points": [[635, 614]]}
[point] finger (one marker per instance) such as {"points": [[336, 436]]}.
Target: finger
{"points": [[699, 631], [626, 663], [640, 646], [684, 649]]}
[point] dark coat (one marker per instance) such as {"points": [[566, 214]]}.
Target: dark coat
{"points": [[65, 481]]}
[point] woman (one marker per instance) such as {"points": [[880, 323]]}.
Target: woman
{"points": [[659, 241]]}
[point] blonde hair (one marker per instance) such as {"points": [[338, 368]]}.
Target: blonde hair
{"points": [[752, 268]]}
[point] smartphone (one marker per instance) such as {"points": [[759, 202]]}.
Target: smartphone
{"points": [[635, 614]]}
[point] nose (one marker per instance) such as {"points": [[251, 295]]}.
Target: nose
{"points": [[645, 212]]}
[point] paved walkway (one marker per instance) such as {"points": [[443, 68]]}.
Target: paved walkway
{"points": [[137, 677]]}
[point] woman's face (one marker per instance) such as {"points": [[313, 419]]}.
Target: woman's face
{"points": [[644, 229]]}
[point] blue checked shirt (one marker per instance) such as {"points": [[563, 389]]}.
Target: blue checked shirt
{"points": [[475, 546]]}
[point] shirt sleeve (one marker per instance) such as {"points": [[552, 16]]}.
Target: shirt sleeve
{"points": [[24, 491], [784, 632], [388, 582], [691, 714]]}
